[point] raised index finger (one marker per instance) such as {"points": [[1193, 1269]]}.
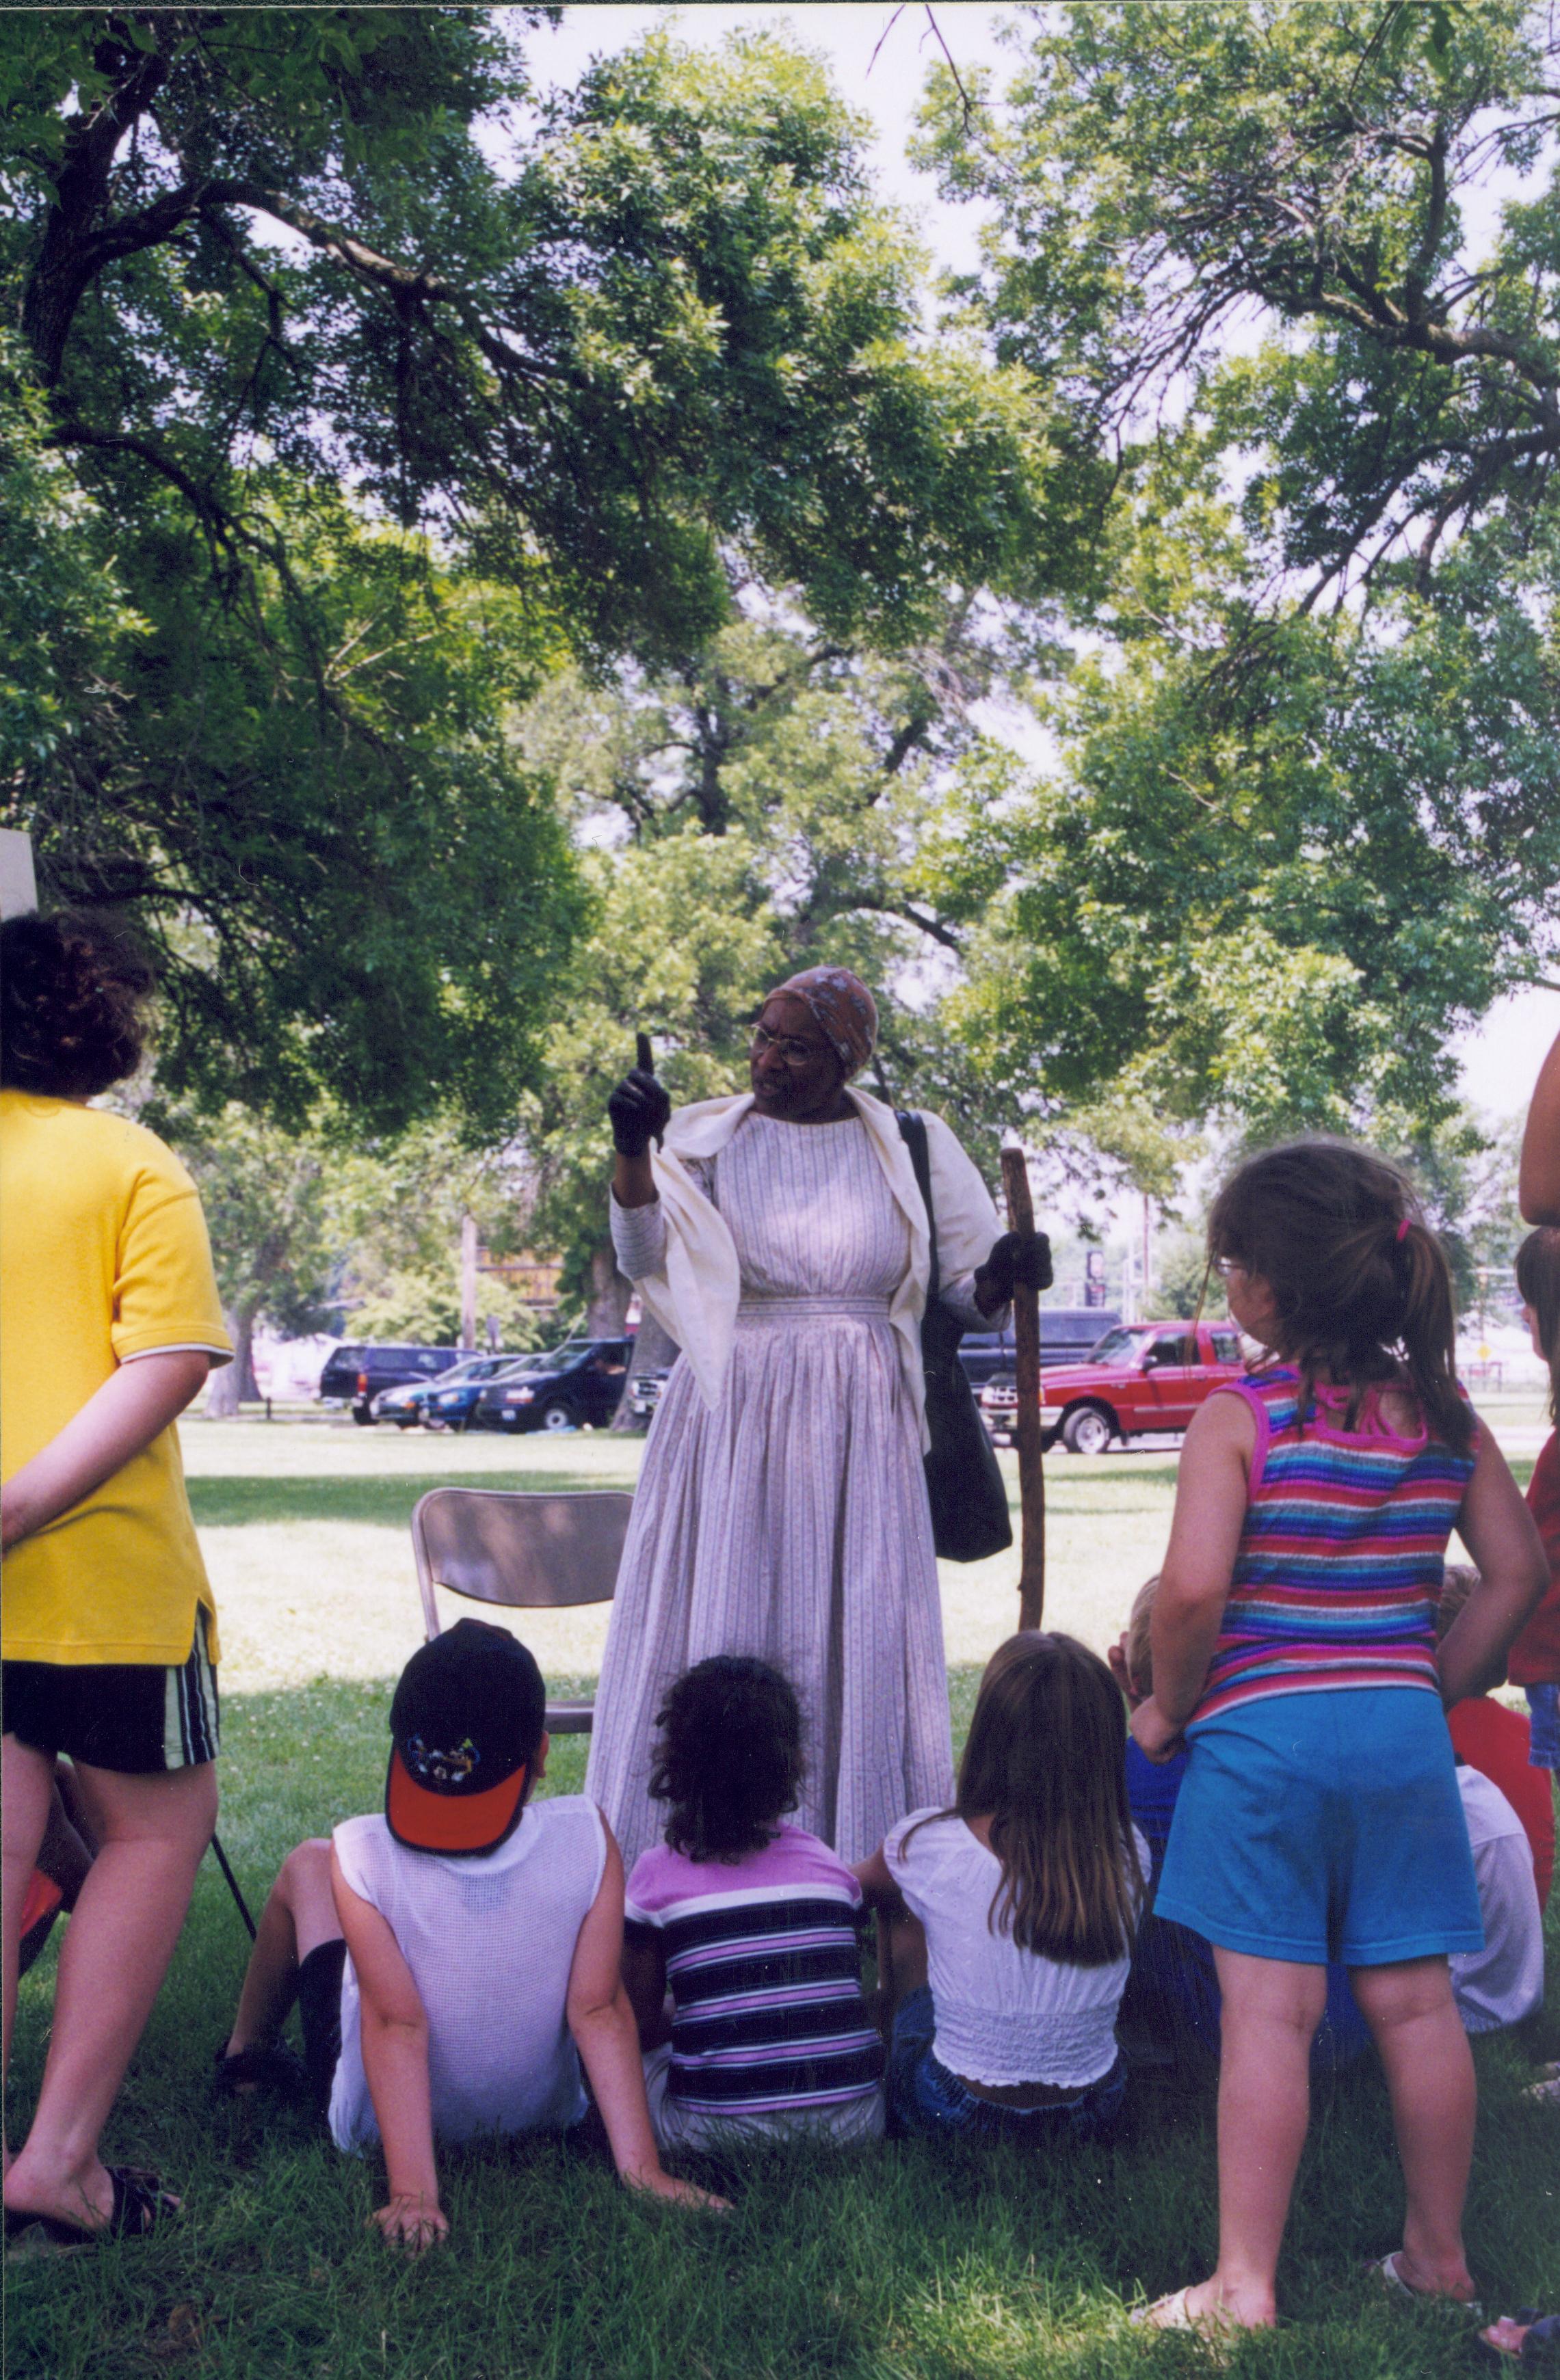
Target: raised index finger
{"points": [[644, 1056]]}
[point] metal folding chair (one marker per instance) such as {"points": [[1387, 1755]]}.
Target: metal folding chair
{"points": [[529, 1553]]}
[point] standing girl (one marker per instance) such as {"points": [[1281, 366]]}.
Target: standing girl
{"points": [[1006, 1922], [1294, 1645], [109, 1324]]}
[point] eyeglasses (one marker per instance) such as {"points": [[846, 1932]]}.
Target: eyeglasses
{"points": [[1224, 1266], [786, 1048]]}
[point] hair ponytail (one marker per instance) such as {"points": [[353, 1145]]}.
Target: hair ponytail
{"points": [[1359, 1282]]}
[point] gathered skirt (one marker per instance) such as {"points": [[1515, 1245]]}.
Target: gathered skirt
{"points": [[790, 1523]]}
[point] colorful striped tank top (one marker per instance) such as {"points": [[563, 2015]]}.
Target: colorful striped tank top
{"points": [[1340, 1560]]}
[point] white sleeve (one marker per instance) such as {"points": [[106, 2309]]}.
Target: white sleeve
{"points": [[967, 1224], [1503, 1983], [639, 1238]]}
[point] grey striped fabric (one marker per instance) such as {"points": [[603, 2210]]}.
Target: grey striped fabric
{"points": [[792, 1523], [192, 1719]]}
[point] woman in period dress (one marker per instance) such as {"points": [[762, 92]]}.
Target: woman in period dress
{"points": [[782, 1510]]}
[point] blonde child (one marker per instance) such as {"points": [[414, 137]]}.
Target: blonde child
{"points": [[1010, 1916], [1293, 1646]]}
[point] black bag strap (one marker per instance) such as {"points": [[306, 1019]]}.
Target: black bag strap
{"points": [[912, 1132]]}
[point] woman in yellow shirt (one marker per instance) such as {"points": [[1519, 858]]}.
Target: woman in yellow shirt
{"points": [[109, 1324]]}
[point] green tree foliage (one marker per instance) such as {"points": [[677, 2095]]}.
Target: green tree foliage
{"points": [[65, 615], [1162, 175], [265, 1197], [1304, 816], [586, 368], [396, 1209], [771, 804]]}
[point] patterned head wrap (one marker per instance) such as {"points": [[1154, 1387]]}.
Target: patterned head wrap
{"points": [[841, 1005]]}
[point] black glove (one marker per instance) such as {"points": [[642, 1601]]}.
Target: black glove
{"points": [[1017, 1260], [640, 1107]]}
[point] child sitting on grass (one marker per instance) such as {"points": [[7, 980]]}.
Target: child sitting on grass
{"points": [[1495, 1741], [1008, 1920], [455, 1958], [752, 1923], [1293, 1647]]}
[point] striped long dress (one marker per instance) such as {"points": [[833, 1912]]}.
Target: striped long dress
{"points": [[791, 1522]]}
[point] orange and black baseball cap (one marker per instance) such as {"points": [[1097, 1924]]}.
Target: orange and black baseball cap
{"points": [[465, 1727]]}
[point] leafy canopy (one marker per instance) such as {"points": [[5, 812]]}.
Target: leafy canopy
{"points": [[1304, 820], [387, 388]]}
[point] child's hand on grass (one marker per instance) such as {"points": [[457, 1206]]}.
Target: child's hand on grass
{"points": [[656, 2183], [412, 2222], [1158, 1737]]}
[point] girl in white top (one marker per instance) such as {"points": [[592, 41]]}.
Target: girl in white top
{"points": [[1006, 1922]]}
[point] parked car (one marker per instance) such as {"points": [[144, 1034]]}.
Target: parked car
{"points": [[1067, 1335], [408, 1405], [1141, 1379], [357, 1375], [581, 1381]]}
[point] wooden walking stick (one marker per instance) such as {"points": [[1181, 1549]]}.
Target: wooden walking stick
{"points": [[1027, 1426]]}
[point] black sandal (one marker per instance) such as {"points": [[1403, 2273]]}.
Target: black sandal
{"points": [[276, 2068], [140, 2205]]}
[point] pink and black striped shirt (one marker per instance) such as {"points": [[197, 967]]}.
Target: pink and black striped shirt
{"points": [[1340, 1562]]}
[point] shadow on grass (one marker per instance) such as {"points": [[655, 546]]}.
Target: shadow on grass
{"points": [[235, 1502], [904, 2264]]}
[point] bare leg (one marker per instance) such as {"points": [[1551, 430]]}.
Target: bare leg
{"points": [[1414, 2023], [300, 1914], [27, 1784], [69, 1840], [116, 1952], [901, 1961], [1272, 2008]]}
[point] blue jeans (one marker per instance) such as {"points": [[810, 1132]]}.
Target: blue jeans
{"points": [[927, 2102]]}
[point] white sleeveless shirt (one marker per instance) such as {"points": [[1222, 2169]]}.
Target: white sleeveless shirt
{"points": [[489, 1943]]}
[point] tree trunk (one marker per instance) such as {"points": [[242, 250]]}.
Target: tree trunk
{"points": [[235, 1383], [608, 1305], [654, 1351]]}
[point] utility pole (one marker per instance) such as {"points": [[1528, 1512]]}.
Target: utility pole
{"points": [[468, 1281]]}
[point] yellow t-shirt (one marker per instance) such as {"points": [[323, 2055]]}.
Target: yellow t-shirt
{"points": [[103, 1257]]}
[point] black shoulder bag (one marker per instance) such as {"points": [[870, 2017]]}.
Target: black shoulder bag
{"points": [[964, 1480]]}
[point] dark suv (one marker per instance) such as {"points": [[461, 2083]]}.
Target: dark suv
{"points": [[1066, 1334], [581, 1381], [357, 1374]]}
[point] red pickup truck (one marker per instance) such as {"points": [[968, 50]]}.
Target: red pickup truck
{"points": [[1142, 1377]]}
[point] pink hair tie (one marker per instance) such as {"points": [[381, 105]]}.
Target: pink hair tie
{"points": [[1403, 1230]]}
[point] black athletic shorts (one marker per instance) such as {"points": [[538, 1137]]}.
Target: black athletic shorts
{"points": [[319, 2011], [133, 1718]]}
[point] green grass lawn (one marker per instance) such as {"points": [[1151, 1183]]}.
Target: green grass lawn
{"points": [[904, 2265]]}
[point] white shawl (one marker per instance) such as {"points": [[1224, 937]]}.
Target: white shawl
{"points": [[695, 1299]]}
